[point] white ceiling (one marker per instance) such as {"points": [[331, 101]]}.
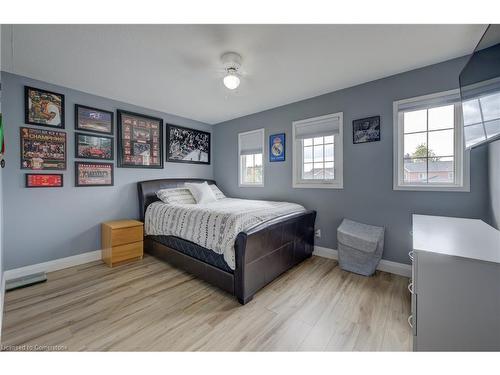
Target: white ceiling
{"points": [[176, 68]]}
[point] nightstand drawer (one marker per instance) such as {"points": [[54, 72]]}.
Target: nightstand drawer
{"points": [[126, 252], [126, 235]]}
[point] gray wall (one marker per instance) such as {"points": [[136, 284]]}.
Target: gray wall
{"points": [[46, 224], [2, 291], [367, 195], [494, 182]]}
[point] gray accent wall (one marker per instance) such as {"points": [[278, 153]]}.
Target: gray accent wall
{"points": [[46, 224], [367, 195], [494, 182]]}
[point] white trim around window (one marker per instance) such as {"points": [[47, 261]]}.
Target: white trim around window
{"points": [[258, 137], [461, 159], [325, 127]]}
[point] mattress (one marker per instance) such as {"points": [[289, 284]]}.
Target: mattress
{"points": [[213, 225]]}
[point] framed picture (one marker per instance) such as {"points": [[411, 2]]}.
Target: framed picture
{"points": [[139, 141], [42, 149], [93, 120], [93, 174], [277, 147], [366, 130], [89, 146], [38, 180], [186, 145], [43, 107]]}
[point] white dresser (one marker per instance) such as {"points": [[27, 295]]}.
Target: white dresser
{"points": [[455, 284]]}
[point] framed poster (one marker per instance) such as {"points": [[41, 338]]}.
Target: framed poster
{"points": [[277, 147], [139, 141], [93, 120], [38, 180], [186, 145], [43, 149], [366, 130], [93, 174], [89, 146], [43, 107]]}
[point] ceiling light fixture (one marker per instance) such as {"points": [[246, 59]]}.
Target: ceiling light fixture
{"points": [[232, 62], [231, 80]]}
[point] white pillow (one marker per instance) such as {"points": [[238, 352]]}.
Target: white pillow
{"points": [[176, 195], [201, 192], [218, 193]]}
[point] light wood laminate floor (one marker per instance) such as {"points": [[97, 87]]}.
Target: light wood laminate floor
{"points": [[149, 305]]}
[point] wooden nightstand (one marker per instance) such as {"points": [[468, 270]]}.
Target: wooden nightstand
{"points": [[121, 241]]}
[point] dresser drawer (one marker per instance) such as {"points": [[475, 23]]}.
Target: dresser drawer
{"points": [[126, 235], [126, 252]]}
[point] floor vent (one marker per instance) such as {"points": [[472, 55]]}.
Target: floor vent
{"points": [[25, 281]]}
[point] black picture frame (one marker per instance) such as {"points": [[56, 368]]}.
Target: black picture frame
{"points": [[80, 127], [77, 180], [79, 156], [366, 130], [27, 119], [281, 157], [167, 144], [25, 161], [26, 180], [121, 159]]}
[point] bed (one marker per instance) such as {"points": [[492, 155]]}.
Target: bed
{"points": [[261, 252]]}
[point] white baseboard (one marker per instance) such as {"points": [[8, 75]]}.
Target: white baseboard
{"points": [[91, 256], [384, 265], [53, 265]]}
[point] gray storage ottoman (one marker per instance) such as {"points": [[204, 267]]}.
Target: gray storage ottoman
{"points": [[360, 247]]}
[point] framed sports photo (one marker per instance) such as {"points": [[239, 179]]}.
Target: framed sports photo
{"points": [[43, 108], [88, 146], [139, 141], [93, 174], [366, 130], [93, 120], [42, 149], [277, 147], [38, 180], [186, 145]]}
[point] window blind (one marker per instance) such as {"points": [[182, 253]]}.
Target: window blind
{"points": [[428, 103], [317, 128], [251, 143]]}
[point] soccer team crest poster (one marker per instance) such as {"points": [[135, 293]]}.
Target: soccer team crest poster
{"points": [[277, 147]]}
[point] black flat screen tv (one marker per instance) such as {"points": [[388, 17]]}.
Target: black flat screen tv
{"points": [[480, 90]]}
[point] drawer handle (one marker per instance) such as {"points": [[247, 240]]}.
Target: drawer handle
{"points": [[410, 287], [410, 254], [410, 321]]}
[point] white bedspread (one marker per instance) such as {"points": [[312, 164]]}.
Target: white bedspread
{"points": [[213, 225]]}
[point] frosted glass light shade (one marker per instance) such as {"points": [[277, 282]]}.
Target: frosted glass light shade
{"points": [[231, 81]]}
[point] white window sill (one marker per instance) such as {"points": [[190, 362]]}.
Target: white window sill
{"points": [[449, 188], [308, 185], [251, 185]]}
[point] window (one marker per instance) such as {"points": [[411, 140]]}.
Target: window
{"points": [[251, 154], [428, 144], [317, 150], [481, 119]]}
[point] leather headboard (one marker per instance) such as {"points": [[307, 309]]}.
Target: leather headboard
{"points": [[147, 190]]}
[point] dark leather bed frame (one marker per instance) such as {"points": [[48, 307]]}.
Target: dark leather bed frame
{"points": [[262, 252]]}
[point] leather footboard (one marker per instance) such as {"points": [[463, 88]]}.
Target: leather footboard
{"points": [[266, 251]]}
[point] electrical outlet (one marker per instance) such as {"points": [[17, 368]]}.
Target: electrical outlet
{"points": [[317, 233]]}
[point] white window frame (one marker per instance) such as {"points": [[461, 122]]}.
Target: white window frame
{"points": [[461, 156], [338, 181], [240, 170]]}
